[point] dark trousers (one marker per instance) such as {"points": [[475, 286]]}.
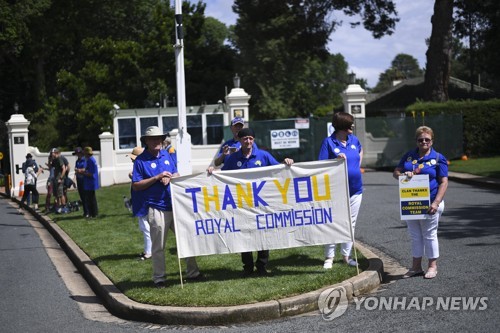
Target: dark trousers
{"points": [[91, 202], [30, 189], [260, 264], [81, 193]]}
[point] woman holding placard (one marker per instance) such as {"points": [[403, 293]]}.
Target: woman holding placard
{"points": [[423, 233]]}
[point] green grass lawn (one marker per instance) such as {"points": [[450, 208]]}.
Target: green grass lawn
{"points": [[486, 167], [113, 241]]}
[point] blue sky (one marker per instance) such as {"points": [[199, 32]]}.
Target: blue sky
{"points": [[366, 56]]}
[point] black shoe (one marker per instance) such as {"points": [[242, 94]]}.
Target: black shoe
{"points": [[160, 285], [262, 271], [199, 277], [143, 256]]}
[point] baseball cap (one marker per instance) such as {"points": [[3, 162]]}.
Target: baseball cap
{"points": [[78, 150], [237, 120], [54, 150]]}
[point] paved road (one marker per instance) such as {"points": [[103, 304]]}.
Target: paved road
{"points": [[34, 298]]}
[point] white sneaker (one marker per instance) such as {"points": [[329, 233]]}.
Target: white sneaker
{"points": [[328, 264]]}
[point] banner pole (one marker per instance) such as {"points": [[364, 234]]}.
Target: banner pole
{"points": [[355, 256], [180, 271]]}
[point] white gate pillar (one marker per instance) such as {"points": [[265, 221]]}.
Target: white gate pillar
{"points": [[354, 98], [237, 101], [17, 127], [107, 176]]}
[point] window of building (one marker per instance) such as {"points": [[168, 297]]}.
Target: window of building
{"points": [[126, 133], [195, 129], [215, 128], [169, 123], [146, 122]]}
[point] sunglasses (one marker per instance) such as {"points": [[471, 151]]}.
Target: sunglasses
{"points": [[426, 140]]}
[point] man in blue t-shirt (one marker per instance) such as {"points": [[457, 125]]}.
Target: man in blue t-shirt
{"points": [[247, 157], [153, 170], [230, 146]]}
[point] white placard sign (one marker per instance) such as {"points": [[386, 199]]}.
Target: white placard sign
{"points": [[285, 138], [264, 208], [414, 197]]}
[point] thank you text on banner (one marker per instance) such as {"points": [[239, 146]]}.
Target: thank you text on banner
{"points": [[262, 208], [414, 197]]}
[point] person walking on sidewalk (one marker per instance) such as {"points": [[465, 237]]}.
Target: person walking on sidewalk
{"points": [[424, 160]]}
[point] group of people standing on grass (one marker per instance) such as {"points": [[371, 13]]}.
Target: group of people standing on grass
{"points": [[154, 167], [59, 181]]}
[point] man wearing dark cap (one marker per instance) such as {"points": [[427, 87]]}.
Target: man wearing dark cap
{"points": [[248, 157], [30, 162], [79, 169], [230, 146]]}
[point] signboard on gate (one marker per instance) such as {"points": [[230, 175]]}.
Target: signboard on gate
{"points": [[285, 138]]}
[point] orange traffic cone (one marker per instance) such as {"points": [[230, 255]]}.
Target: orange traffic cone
{"points": [[21, 189]]}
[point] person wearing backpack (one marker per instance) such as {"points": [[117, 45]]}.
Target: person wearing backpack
{"points": [[30, 177]]}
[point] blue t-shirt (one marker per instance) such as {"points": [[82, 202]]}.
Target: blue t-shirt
{"points": [[91, 183], [258, 158], [80, 164], [434, 164], [147, 166], [331, 148]]}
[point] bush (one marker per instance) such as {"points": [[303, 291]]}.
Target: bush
{"points": [[481, 122]]}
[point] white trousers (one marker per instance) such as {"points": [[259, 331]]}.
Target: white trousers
{"points": [[144, 227], [159, 223], [345, 248], [423, 234]]}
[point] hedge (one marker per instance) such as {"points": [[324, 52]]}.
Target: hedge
{"points": [[481, 121]]}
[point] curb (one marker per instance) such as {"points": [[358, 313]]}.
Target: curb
{"points": [[121, 306]]}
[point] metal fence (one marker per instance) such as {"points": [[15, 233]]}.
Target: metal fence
{"points": [[384, 137]]}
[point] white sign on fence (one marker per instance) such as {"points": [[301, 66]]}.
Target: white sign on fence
{"points": [[262, 208], [285, 138]]}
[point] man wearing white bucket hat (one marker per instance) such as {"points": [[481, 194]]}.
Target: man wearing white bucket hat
{"points": [[153, 169]]}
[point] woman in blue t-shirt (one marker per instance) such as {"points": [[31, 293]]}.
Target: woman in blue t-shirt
{"points": [[344, 144], [425, 160]]}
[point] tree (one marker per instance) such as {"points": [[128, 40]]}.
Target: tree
{"points": [[477, 21], [438, 54], [476, 25], [281, 43], [404, 66]]}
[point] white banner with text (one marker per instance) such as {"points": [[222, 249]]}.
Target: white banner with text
{"points": [[264, 208]]}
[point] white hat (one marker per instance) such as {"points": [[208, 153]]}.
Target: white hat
{"points": [[152, 131]]}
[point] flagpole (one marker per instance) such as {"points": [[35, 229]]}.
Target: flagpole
{"points": [[183, 144]]}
